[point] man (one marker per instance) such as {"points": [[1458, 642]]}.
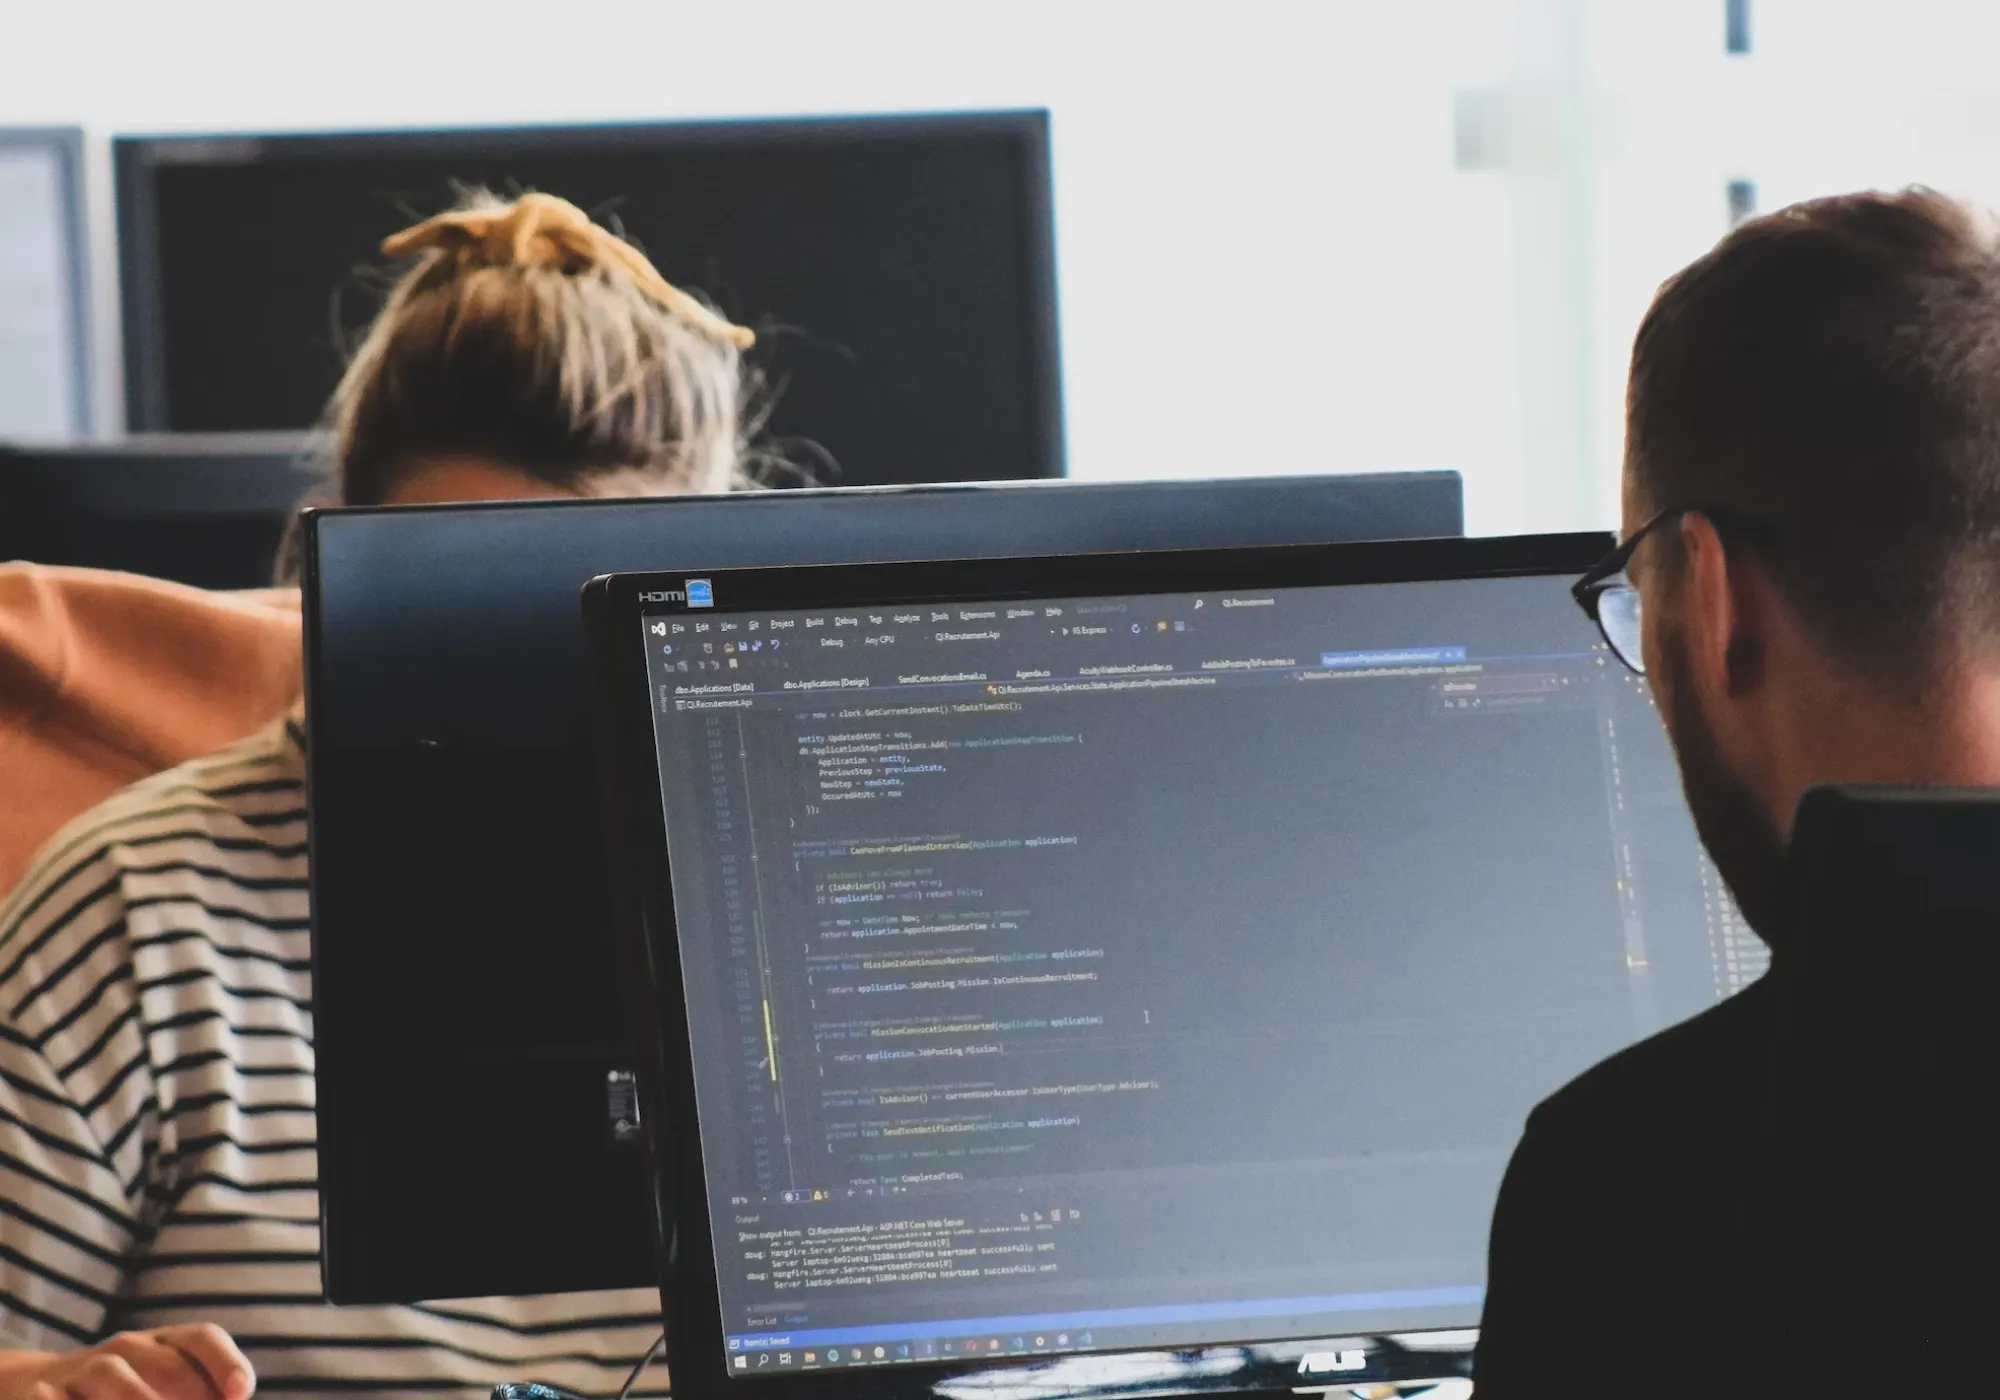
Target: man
{"points": [[1812, 584]]}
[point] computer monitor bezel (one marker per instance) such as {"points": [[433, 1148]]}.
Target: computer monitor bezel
{"points": [[1332, 506], [67, 144], [635, 822], [142, 296], [81, 503]]}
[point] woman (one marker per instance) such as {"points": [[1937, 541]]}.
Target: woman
{"points": [[158, 1199]]}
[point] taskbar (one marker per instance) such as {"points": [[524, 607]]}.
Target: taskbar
{"points": [[1103, 1329], [820, 1357]]}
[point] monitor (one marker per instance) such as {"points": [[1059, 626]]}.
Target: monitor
{"points": [[467, 1022], [207, 509], [899, 271], [45, 356], [1058, 962]]}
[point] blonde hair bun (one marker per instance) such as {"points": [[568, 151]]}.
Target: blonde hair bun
{"points": [[541, 230]]}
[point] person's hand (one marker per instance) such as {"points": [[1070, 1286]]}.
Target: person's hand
{"points": [[194, 1362]]}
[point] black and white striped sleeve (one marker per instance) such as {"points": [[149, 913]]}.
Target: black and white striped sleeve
{"points": [[67, 1225], [77, 1104]]}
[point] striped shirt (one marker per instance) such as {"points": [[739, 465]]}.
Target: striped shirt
{"points": [[158, 1157]]}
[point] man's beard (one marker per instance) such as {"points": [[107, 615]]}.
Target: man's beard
{"points": [[1733, 825]]}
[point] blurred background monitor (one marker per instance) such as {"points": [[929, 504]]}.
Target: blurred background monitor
{"points": [[202, 509], [899, 271], [45, 380], [467, 1017]]}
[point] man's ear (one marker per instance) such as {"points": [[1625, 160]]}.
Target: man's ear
{"points": [[1725, 655]]}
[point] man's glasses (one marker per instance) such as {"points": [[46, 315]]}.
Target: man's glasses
{"points": [[1609, 599]]}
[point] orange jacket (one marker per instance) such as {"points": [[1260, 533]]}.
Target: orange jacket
{"points": [[106, 678]]}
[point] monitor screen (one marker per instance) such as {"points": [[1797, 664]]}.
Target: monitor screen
{"points": [[1085, 971], [456, 834], [899, 271]]}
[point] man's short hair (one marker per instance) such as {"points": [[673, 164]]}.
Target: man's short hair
{"points": [[1833, 371]]}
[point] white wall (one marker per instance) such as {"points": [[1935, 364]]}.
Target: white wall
{"points": [[1270, 258]]}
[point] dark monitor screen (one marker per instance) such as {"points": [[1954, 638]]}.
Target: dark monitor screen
{"points": [[1092, 956], [466, 1013], [899, 271], [208, 510]]}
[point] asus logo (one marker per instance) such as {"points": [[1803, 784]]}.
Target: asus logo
{"points": [[1320, 1363], [699, 593]]}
